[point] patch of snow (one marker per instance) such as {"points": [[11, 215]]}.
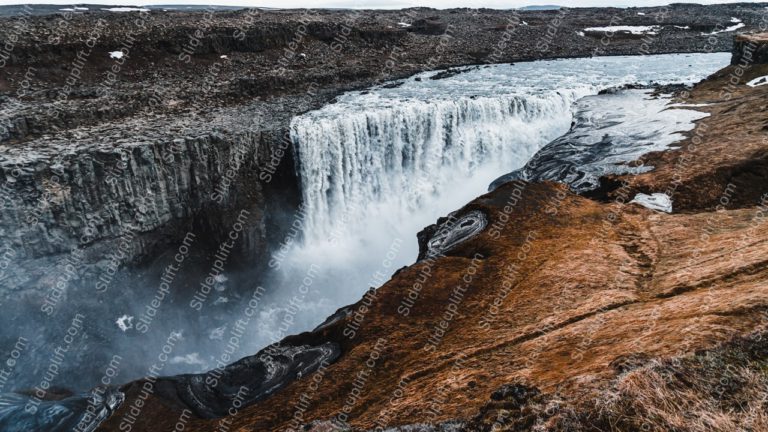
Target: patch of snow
{"points": [[641, 13], [689, 105], [403, 24], [116, 54], [683, 27], [223, 56], [735, 20], [525, 23], [757, 82], [189, 359], [125, 9], [636, 30], [74, 9], [656, 201], [125, 322], [581, 34], [726, 30]]}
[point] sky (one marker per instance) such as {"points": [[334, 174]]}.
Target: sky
{"points": [[382, 4]]}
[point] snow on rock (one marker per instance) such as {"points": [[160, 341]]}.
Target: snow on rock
{"points": [[727, 29], [125, 9], [757, 82], [116, 54], [403, 24], [656, 201], [637, 30]]}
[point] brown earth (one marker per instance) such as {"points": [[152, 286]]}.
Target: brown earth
{"points": [[572, 313]]}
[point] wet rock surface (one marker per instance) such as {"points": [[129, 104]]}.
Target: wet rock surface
{"points": [[725, 154], [82, 412], [454, 231], [247, 381], [609, 133]]}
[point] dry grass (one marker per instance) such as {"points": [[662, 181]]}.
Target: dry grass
{"points": [[722, 390]]}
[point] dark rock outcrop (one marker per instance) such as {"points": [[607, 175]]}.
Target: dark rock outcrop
{"points": [[428, 26], [245, 382], [750, 49]]}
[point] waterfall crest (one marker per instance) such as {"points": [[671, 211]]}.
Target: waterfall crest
{"points": [[411, 150]]}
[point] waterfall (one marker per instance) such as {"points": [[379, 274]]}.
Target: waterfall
{"points": [[402, 154], [382, 157], [379, 165]]}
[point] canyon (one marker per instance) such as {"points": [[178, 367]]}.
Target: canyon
{"points": [[572, 313], [575, 293]]}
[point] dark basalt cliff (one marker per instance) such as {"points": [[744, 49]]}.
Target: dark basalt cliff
{"points": [[534, 308]]}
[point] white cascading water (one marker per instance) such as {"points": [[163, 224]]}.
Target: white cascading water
{"points": [[378, 166], [386, 162]]}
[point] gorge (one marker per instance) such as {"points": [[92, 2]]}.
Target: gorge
{"points": [[245, 227]]}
